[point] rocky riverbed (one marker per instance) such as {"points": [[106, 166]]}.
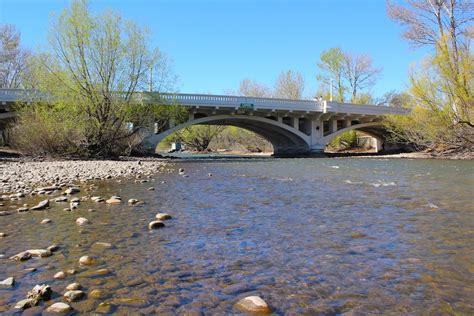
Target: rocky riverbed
{"points": [[23, 177]]}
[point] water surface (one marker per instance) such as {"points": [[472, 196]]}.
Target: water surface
{"points": [[310, 236]]}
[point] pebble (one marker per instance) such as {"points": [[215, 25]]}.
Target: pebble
{"points": [[156, 224], [72, 190], [73, 295], [95, 294], [61, 199], [3, 235], [23, 209], [162, 216], [86, 260], [41, 205], [151, 189], [73, 287], [113, 201], [46, 221], [59, 307], [253, 304], [82, 221], [103, 244], [132, 201], [60, 275]]}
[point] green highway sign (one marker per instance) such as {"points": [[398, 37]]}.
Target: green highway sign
{"points": [[246, 105]]}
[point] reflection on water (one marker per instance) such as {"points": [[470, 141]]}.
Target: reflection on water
{"points": [[310, 236]]}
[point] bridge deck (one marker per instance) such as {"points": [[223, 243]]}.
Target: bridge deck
{"points": [[236, 102]]}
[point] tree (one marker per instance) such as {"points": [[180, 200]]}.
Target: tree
{"points": [[252, 88], [289, 85], [91, 73], [331, 65], [360, 73], [198, 137], [13, 58], [443, 86], [351, 74]]}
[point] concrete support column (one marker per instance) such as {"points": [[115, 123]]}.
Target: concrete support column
{"points": [[296, 123], [333, 124], [348, 123], [191, 116], [280, 119]]}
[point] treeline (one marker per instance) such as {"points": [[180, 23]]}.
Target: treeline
{"points": [[89, 57]]}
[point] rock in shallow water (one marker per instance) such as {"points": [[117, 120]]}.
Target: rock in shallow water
{"points": [[162, 216], [41, 205], [73, 287], [46, 221], [8, 282], [113, 201], [73, 190], [73, 295], [82, 221], [253, 304], [86, 260], [156, 224], [59, 308], [60, 275]]}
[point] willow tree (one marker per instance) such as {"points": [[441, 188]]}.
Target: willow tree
{"points": [[443, 86], [90, 74]]}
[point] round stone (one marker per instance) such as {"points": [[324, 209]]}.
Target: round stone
{"points": [[72, 296], [86, 260], [82, 221], [46, 221], [59, 308], [73, 287], [162, 216], [156, 224], [60, 275], [253, 304]]}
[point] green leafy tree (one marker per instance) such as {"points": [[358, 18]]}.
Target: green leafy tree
{"points": [[442, 87], [92, 72]]}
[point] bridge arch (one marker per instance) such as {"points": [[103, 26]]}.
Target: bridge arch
{"points": [[374, 129], [284, 139]]}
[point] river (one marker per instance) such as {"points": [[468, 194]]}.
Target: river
{"points": [[309, 236]]}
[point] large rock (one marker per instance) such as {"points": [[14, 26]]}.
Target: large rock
{"points": [[162, 216], [40, 292], [156, 224], [73, 295], [253, 304], [8, 282], [59, 307]]}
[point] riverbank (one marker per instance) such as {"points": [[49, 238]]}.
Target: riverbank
{"points": [[23, 176]]}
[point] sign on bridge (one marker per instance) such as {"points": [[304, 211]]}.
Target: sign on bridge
{"points": [[246, 105]]}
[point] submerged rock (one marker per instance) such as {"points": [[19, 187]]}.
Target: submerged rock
{"points": [[59, 307], [132, 201], [253, 304], [25, 255], [95, 294], [156, 224], [162, 216], [73, 295], [61, 199]]}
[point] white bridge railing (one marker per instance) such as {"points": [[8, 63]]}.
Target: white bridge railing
{"points": [[226, 101], [236, 101]]}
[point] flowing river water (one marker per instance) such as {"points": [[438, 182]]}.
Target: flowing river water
{"points": [[309, 236]]}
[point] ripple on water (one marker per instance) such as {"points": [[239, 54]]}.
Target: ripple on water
{"points": [[306, 238]]}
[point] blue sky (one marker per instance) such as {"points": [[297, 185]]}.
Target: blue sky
{"points": [[215, 44]]}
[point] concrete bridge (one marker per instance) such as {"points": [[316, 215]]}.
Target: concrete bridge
{"points": [[291, 126]]}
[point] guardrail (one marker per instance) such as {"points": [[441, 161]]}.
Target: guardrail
{"points": [[236, 101], [207, 100]]}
